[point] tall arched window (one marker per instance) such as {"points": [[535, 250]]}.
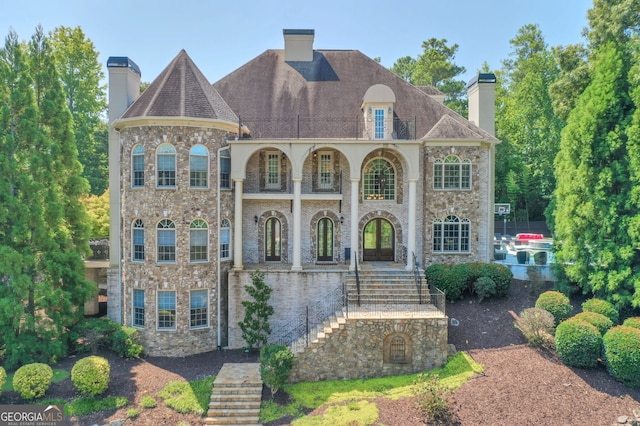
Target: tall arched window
{"points": [[137, 239], [166, 165], [379, 180], [166, 241], [137, 166], [451, 235], [452, 173], [225, 169], [325, 239], [272, 243], [198, 167], [198, 241], [225, 239]]}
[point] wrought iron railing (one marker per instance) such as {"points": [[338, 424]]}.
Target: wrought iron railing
{"points": [[99, 249], [387, 306], [255, 182], [417, 277], [357, 276]]}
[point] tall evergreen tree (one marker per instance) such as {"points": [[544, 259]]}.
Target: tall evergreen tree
{"points": [[44, 226]]}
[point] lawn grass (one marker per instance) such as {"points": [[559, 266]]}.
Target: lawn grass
{"points": [[58, 376], [87, 405], [310, 395], [188, 397]]}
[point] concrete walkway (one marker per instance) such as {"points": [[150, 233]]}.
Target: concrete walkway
{"points": [[236, 395]]}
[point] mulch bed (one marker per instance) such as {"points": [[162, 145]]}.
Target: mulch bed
{"points": [[520, 385]]}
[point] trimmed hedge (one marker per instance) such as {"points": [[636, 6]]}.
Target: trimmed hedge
{"points": [[622, 354], [599, 321], [603, 307], [578, 343], [31, 381], [90, 375], [556, 303], [454, 280], [3, 378], [126, 342], [632, 322]]}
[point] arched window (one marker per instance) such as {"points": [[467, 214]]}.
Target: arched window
{"points": [[137, 239], [198, 241], [225, 239], [137, 166], [225, 169], [272, 243], [198, 167], [166, 241], [452, 173], [325, 239], [166, 165], [451, 235], [379, 180]]}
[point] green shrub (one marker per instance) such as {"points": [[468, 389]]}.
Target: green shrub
{"points": [[484, 287], [148, 401], [499, 274], [536, 325], [90, 375], [455, 280], [603, 307], [3, 378], [599, 321], [276, 362], [632, 322], [91, 333], [132, 413], [31, 381], [440, 276], [126, 343], [430, 396], [578, 343], [556, 303], [622, 354]]}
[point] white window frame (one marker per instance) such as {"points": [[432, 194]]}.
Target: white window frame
{"points": [[225, 248], [379, 123], [452, 174], [135, 309], [166, 150], [137, 153], [166, 225], [198, 152], [206, 310], [325, 170], [444, 242], [175, 311], [388, 193], [196, 229], [225, 169], [272, 174], [137, 226]]}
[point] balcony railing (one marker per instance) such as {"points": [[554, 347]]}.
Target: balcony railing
{"points": [[256, 182], [99, 249], [297, 127]]}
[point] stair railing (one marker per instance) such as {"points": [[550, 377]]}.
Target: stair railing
{"points": [[357, 277], [417, 277]]}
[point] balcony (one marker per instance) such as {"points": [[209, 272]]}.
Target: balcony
{"points": [[256, 183]]}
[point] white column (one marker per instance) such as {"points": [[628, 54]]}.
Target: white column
{"points": [[237, 229], [411, 225], [297, 224], [355, 183]]}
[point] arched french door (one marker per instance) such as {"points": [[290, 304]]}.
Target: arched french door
{"points": [[272, 246], [325, 240], [378, 240]]}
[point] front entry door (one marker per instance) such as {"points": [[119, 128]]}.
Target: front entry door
{"points": [[378, 240]]}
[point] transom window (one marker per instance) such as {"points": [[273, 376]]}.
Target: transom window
{"points": [[198, 166], [452, 173], [137, 166], [166, 241], [138, 308], [225, 169], [166, 160], [379, 120], [198, 241], [225, 239], [451, 235], [138, 241], [273, 170], [379, 180], [166, 310], [325, 170], [198, 312]]}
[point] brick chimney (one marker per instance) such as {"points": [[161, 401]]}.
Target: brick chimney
{"points": [[481, 92], [298, 45]]}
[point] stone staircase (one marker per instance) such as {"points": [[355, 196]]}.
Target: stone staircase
{"points": [[395, 285], [236, 396]]}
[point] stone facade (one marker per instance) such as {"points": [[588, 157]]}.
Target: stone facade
{"points": [[364, 348]]}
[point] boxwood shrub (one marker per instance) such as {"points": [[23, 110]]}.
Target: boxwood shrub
{"points": [[632, 322], [126, 342], [602, 307], [556, 303], [90, 375], [31, 381], [440, 276], [622, 354], [578, 343], [454, 280], [599, 321]]}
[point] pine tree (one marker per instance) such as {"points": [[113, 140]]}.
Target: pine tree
{"points": [[255, 326]]}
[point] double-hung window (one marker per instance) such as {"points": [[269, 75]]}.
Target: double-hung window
{"points": [[166, 166], [225, 169], [166, 310], [225, 239], [451, 235], [198, 167], [325, 170], [198, 312], [198, 241], [137, 167], [452, 173], [138, 308], [138, 240], [272, 178], [166, 241]]}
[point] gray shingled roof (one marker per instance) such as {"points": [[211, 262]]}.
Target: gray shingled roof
{"points": [[181, 90], [329, 90]]}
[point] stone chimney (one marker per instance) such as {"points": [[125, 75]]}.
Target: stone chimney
{"points": [[481, 92], [298, 45], [124, 85]]}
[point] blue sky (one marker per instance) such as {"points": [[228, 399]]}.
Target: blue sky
{"points": [[220, 36]]}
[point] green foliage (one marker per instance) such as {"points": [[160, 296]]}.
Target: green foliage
{"points": [[3, 378], [90, 375], [88, 405], [132, 413], [91, 333], [255, 326], [556, 303], [599, 321], [98, 210], [455, 280], [125, 342], [430, 397], [354, 413], [31, 381], [536, 325], [602, 307], [148, 401], [578, 343], [188, 397], [622, 354], [632, 322], [276, 362]]}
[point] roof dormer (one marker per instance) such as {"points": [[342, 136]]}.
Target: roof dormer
{"points": [[377, 106]]}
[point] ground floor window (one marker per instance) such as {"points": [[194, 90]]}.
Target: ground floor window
{"points": [[199, 309], [451, 235], [166, 310], [138, 308]]}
